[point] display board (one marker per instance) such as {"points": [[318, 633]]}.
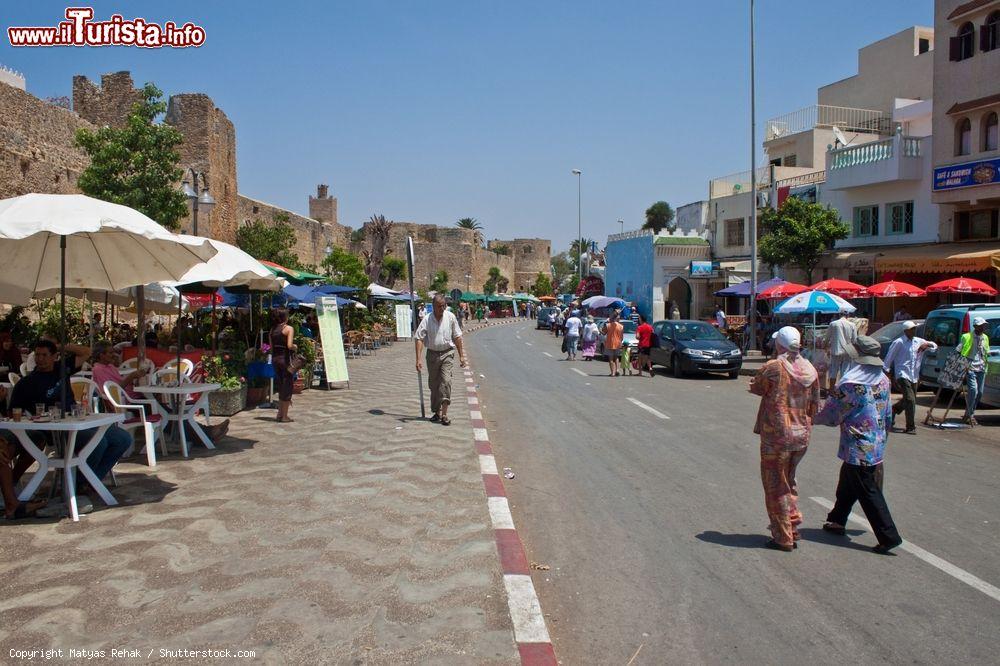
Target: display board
{"points": [[404, 319], [334, 360]]}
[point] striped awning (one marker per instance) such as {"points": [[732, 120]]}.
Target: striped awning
{"points": [[940, 258]]}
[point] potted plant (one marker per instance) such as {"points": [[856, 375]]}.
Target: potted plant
{"points": [[307, 347], [231, 397], [257, 377]]}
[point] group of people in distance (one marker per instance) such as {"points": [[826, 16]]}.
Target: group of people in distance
{"points": [[859, 403]]}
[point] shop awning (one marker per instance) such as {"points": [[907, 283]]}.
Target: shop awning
{"points": [[940, 258]]}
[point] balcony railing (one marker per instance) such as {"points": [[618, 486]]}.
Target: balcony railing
{"points": [[820, 115], [738, 182], [804, 179], [876, 151]]}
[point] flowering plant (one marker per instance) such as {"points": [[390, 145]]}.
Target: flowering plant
{"points": [[220, 370]]}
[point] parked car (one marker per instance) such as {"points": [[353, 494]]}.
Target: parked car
{"points": [[543, 317], [688, 346], [945, 324], [628, 336], [991, 392], [890, 332]]}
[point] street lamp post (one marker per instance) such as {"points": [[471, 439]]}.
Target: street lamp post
{"points": [[579, 221], [199, 200], [468, 282], [752, 320]]}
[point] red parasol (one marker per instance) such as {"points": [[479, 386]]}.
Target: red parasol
{"points": [[785, 290], [842, 288], [892, 289], [962, 285]]}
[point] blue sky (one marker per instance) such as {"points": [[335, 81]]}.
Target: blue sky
{"points": [[435, 110]]}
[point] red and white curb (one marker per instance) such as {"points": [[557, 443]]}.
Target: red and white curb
{"points": [[530, 633]]}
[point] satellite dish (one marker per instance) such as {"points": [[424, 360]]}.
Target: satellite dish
{"points": [[840, 136]]}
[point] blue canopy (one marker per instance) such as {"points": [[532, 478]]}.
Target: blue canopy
{"points": [[742, 290]]}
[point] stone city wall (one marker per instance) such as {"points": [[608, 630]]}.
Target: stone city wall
{"points": [[531, 256], [36, 145], [311, 235]]}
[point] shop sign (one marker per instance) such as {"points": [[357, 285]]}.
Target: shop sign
{"points": [[970, 174], [704, 269]]}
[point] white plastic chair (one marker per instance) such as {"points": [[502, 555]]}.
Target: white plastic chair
{"points": [[85, 391], [151, 425], [129, 365], [187, 366]]}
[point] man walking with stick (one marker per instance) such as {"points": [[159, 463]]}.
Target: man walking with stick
{"points": [[440, 333]]}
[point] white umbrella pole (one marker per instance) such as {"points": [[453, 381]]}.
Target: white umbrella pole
{"points": [[90, 311], [180, 334], [140, 313], [62, 316]]}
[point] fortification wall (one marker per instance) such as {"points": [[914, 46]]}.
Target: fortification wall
{"points": [[209, 147], [36, 145], [107, 104], [531, 256], [312, 236]]}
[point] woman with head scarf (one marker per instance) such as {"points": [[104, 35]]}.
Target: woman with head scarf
{"points": [[588, 343], [860, 404], [789, 390]]}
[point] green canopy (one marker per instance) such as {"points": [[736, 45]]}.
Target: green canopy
{"points": [[500, 298], [291, 274], [471, 297], [526, 297]]}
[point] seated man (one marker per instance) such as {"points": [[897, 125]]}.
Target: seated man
{"points": [[106, 370], [43, 385]]}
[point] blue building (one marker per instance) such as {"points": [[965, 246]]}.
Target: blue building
{"points": [[629, 261]]}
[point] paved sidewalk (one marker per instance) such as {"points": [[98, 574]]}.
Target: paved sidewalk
{"points": [[358, 534]]}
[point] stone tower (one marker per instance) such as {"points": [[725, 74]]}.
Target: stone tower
{"points": [[107, 104], [209, 147], [531, 257], [323, 207]]}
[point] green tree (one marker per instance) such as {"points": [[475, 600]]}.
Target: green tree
{"points": [[574, 251], [270, 242], [660, 216], [542, 286], [393, 269], [799, 234], [136, 165], [569, 285], [345, 268], [440, 282], [563, 266], [503, 250], [491, 285], [471, 223]]}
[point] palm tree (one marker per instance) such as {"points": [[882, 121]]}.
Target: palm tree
{"points": [[471, 223]]}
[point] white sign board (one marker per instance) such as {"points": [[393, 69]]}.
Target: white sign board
{"points": [[404, 321], [334, 361]]}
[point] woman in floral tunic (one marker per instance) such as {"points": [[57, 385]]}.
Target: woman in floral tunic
{"points": [[789, 388], [860, 404]]}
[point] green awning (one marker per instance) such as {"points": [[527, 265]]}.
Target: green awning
{"points": [[471, 297], [291, 274]]}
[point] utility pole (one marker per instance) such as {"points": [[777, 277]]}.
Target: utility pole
{"points": [[752, 320]]}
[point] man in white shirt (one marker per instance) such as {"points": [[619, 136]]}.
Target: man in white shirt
{"points": [[720, 318], [573, 327], [840, 337], [440, 333], [902, 362]]}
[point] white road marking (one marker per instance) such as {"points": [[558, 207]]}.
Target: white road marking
{"points": [[480, 435], [579, 372], [930, 558], [476, 415], [518, 337], [649, 409], [487, 464], [548, 354], [525, 611], [473, 400], [500, 513], [529, 344]]}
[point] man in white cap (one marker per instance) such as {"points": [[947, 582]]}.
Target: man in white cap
{"points": [[974, 346], [902, 362]]}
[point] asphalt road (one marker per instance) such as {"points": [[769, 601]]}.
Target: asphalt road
{"points": [[654, 528]]}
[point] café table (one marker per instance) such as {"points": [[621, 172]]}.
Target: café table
{"points": [[71, 459], [181, 410]]}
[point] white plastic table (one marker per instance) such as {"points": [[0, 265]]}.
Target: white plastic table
{"points": [[71, 457], [181, 410]]}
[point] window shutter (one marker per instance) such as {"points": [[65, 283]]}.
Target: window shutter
{"points": [[955, 49], [984, 38]]}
